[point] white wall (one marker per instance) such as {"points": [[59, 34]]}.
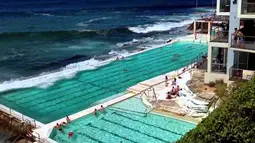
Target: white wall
{"points": [[212, 77], [234, 22]]}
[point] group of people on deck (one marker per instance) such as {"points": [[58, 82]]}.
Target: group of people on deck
{"points": [[174, 91], [175, 88], [63, 124]]}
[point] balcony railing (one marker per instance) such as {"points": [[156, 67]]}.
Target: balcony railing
{"points": [[219, 36], [243, 42], [248, 8], [240, 74], [217, 67]]}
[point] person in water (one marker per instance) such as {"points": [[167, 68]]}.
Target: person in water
{"points": [[63, 124], [169, 41], [58, 127], [117, 58], [70, 134], [68, 120], [95, 112], [102, 108]]}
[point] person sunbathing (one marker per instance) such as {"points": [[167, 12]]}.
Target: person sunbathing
{"points": [[168, 95]]}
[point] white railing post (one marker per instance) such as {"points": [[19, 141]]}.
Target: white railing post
{"points": [[35, 123], [10, 111]]}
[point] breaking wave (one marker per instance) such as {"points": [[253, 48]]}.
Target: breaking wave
{"points": [[158, 27]]}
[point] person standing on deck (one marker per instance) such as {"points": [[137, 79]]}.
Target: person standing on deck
{"points": [[166, 81]]}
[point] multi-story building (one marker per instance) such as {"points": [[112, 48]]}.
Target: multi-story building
{"points": [[231, 48]]}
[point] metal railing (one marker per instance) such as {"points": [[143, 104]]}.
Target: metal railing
{"points": [[240, 74], [218, 35], [217, 67], [23, 119], [248, 8], [243, 42]]}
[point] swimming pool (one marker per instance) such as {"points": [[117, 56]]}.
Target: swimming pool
{"points": [[88, 88], [128, 122]]}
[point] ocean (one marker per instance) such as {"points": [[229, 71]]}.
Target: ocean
{"points": [[58, 39]]}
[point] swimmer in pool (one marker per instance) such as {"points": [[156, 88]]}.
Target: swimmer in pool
{"points": [[95, 112], [102, 108], [70, 134], [63, 124], [58, 127], [68, 120]]}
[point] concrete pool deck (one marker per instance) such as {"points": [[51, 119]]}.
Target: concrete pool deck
{"points": [[44, 130]]}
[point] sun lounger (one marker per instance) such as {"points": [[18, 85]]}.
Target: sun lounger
{"points": [[198, 102]]}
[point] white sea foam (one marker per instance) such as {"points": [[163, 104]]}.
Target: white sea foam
{"points": [[122, 53], [47, 79], [134, 41], [160, 26], [43, 14], [82, 24], [98, 19], [127, 43], [86, 23]]}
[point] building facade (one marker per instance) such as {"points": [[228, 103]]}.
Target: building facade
{"points": [[231, 48]]}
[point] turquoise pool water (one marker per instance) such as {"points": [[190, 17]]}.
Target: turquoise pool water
{"points": [[127, 122], [88, 88]]}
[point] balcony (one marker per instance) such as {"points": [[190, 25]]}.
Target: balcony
{"points": [[218, 35], [243, 43], [240, 74]]}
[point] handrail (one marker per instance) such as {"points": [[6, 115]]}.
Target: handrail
{"points": [[18, 115], [245, 36]]}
